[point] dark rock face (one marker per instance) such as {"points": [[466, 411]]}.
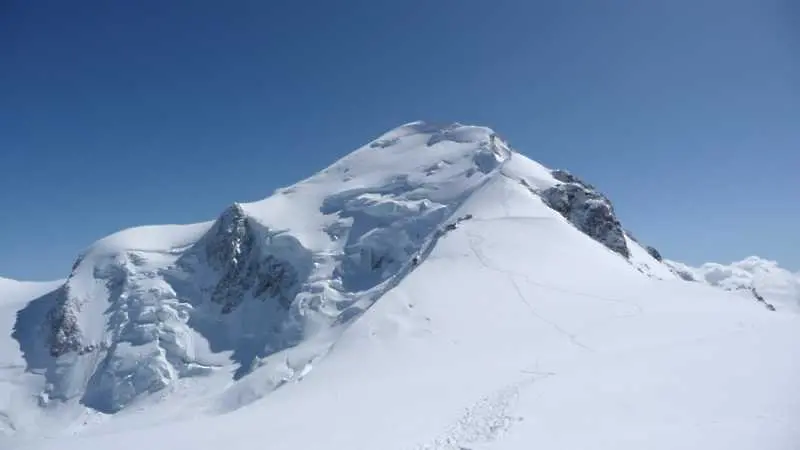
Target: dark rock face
{"points": [[231, 240], [567, 177], [587, 209], [253, 273], [684, 275], [65, 336], [654, 253], [233, 251], [63, 332], [761, 299]]}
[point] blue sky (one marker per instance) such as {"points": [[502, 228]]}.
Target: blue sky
{"points": [[117, 114]]}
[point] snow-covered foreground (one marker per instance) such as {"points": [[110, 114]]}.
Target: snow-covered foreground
{"points": [[492, 323]]}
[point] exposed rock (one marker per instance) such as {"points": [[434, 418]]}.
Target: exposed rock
{"points": [[589, 211], [761, 299], [454, 224], [383, 143], [650, 250], [632, 237], [565, 176], [683, 271], [147, 344], [230, 238], [64, 333], [654, 253], [686, 276], [233, 250]]}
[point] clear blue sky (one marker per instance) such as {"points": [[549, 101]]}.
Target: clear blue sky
{"points": [[117, 114]]}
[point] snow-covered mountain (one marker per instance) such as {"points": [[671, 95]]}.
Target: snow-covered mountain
{"points": [[434, 289], [760, 277], [16, 383]]}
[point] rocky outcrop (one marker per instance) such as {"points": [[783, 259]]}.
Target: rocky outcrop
{"points": [[149, 311], [761, 299], [567, 177], [232, 249], [683, 274], [588, 210], [64, 333], [654, 253]]}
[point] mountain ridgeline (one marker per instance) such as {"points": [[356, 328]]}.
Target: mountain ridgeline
{"points": [[148, 306]]}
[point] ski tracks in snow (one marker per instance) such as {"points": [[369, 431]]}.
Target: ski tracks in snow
{"points": [[571, 336], [475, 242]]}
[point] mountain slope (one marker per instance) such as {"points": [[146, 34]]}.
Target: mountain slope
{"points": [[15, 384], [432, 290], [147, 306]]}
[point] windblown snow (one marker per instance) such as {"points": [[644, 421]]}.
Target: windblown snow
{"points": [[434, 289]]}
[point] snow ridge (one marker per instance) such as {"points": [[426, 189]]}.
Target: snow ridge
{"points": [[269, 285], [148, 306], [428, 270]]}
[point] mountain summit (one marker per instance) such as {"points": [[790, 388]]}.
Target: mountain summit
{"points": [[434, 289]]}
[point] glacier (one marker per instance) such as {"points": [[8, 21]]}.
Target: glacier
{"points": [[433, 289]]}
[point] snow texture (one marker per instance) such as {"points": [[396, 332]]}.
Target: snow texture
{"points": [[434, 289]]}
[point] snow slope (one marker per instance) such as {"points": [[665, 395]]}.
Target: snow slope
{"points": [[15, 384], [420, 293]]}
